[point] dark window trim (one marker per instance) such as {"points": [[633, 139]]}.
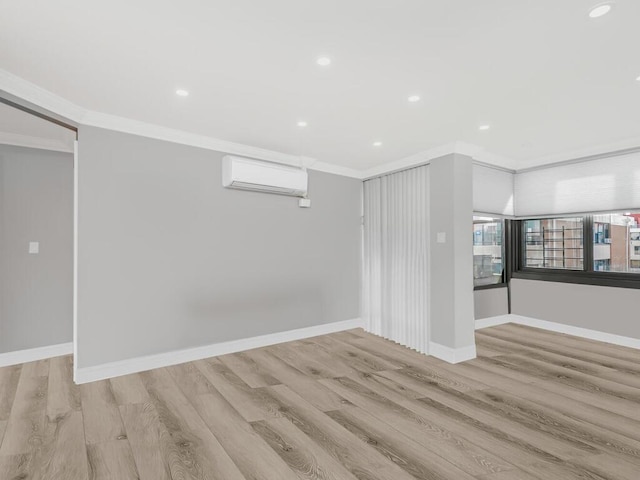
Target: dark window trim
{"points": [[491, 286], [511, 240], [583, 277], [603, 279]]}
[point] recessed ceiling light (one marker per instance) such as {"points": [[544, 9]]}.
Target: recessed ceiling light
{"points": [[323, 61], [182, 93], [377, 144], [302, 123], [484, 127], [600, 10], [414, 98], [638, 78]]}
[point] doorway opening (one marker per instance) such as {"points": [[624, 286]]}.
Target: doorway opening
{"points": [[37, 234]]}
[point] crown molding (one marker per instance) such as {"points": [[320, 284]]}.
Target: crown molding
{"points": [[589, 158], [335, 169], [17, 140], [18, 88], [412, 161], [478, 154], [144, 129], [628, 145], [38, 96], [26, 91]]}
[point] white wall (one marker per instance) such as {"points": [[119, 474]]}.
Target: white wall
{"points": [[36, 291], [169, 259]]}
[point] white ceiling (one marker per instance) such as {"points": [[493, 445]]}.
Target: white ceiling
{"points": [[26, 130], [550, 81]]}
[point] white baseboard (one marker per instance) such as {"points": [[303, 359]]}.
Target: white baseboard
{"points": [[33, 354], [560, 328], [149, 362], [578, 331], [452, 355], [493, 321]]}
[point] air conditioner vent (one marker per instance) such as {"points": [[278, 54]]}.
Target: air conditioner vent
{"points": [[248, 174]]}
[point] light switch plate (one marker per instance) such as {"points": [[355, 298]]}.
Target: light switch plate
{"points": [[441, 237], [34, 247]]}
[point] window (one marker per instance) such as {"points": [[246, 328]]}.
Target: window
{"points": [[616, 242], [596, 249], [488, 251], [554, 243]]}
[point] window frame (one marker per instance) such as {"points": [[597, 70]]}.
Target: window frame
{"points": [[587, 276], [562, 269], [506, 247]]}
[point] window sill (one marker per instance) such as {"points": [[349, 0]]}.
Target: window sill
{"points": [[490, 286], [603, 279]]}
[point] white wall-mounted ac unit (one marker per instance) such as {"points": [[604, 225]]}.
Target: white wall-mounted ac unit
{"points": [[249, 174]]}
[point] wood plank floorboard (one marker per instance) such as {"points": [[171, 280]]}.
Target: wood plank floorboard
{"points": [[249, 370], [626, 364], [553, 422], [63, 394], [399, 448], [300, 452], [9, 377], [26, 423], [581, 412], [591, 346], [432, 435], [627, 373], [3, 427], [534, 405], [145, 434], [193, 446]]}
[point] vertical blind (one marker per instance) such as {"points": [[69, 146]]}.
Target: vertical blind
{"points": [[395, 270]]}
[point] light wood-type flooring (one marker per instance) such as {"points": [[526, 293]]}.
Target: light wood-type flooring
{"points": [[533, 405]]}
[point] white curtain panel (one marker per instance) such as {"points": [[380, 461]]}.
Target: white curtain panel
{"points": [[395, 270]]}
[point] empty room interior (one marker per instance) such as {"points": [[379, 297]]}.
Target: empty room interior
{"points": [[337, 240]]}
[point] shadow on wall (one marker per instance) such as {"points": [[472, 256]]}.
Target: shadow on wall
{"points": [[235, 315]]}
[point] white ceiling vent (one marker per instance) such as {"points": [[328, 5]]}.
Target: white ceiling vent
{"points": [[249, 174]]}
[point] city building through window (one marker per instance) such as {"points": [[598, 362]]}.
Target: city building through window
{"points": [[554, 243], [488, 236], [616, 242]]}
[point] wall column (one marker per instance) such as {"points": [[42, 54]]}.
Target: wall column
{"points": [[451, 275]]}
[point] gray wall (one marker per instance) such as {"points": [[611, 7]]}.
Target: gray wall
{"points": [[605, 309], [36, 291], [490, 302], [451, 275], [169, 259]]}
